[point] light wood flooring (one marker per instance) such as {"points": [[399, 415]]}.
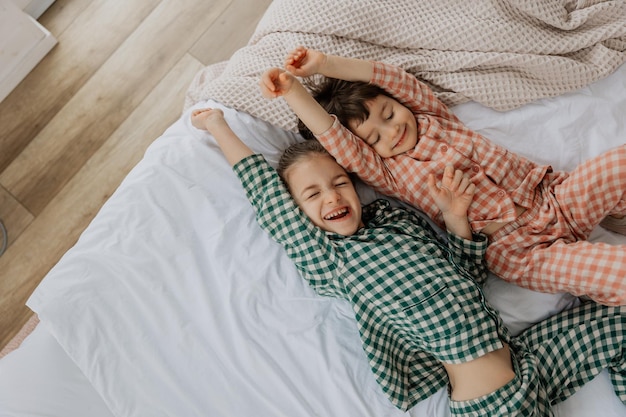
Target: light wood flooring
{"points": [[72, 130]]}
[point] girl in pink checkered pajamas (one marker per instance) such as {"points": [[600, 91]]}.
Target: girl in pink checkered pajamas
{"points": [[387, 127]]}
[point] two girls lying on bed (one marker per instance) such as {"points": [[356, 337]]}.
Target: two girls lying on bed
{"points": [[389, 129], [422, 316]]}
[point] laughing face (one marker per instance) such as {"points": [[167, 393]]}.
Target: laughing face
{"points": [[324, 191], [390, 129]]}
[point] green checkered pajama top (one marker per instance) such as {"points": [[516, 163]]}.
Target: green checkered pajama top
{"points": [[417, 300]]}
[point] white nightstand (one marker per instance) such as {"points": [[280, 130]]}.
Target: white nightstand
{"points": [[23, 41]]}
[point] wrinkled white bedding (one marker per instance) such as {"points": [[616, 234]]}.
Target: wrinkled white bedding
{"points": [[175, 303]]}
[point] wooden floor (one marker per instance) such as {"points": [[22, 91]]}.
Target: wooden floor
{"points": [[72, 130]]}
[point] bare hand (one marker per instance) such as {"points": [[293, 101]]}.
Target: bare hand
{"points": [[304, 62], [455, 194], [276, 82], [207, 119]]}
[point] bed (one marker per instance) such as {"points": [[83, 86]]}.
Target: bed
{"points": [[173, 302]]}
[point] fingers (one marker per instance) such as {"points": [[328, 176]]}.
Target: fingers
{"points": [[451, 178], [448, 178], [283, 78], [203, 118], [268, 81], [198, 111], [471, 189], [456, 181], [276, 82], [295, 57], [464, 184], [459, 181]]}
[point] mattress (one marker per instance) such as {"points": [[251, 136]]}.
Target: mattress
{"points": [[174, 302]]}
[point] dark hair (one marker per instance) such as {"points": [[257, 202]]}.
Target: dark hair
{"points": [[345, 99], [296, 153], [302, 150]]}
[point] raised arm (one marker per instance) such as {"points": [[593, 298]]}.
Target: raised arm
{"points": [[213, 121], [276, 82], [305, 62], [410, 91], [349, 151]]}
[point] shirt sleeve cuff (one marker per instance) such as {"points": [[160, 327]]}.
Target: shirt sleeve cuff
{"points": [[248, 165], [475, 247], [253, 172], [333, 130]]}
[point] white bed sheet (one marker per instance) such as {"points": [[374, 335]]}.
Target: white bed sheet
{"points": [[174, 302]]}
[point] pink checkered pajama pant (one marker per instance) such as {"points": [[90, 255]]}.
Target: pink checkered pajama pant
{"points": [[546, 248]]}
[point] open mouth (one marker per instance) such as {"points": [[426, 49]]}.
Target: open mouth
{"points": [[337, 214]]}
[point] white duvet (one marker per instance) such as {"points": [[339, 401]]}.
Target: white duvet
{"points": [[175, 303]]}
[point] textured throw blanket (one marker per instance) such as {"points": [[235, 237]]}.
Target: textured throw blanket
{"points": [[501, 53]]}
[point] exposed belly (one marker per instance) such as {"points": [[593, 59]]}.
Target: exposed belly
{"points": [[480, 376]]}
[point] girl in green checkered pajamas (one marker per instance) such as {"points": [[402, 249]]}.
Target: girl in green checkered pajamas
{"points": [[418, 301]]}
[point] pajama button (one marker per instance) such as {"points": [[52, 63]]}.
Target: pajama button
{"points": [[500, 193], [475, 168], [444, 149]]}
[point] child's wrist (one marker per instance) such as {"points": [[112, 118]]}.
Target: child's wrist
{"points": [[217, 125], [326, 64], [458, 225], [295, 88]]}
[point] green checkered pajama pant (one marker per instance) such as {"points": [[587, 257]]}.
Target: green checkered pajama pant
{"points": [[556, 357]]}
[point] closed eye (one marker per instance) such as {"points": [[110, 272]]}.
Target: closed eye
{"points": [[341, 180]]}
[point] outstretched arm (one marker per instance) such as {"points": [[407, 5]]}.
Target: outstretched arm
{"points": [[276, 82], [213, 121], [304, 62]]}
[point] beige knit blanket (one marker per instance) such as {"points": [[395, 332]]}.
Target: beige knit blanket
{"points": [[501, 53]]}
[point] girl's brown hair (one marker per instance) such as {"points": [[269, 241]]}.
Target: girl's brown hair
{"points": [[345, 99]]}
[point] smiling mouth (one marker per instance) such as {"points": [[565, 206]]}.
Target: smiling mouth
{"points": [[337, 214], [399, 142]]}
